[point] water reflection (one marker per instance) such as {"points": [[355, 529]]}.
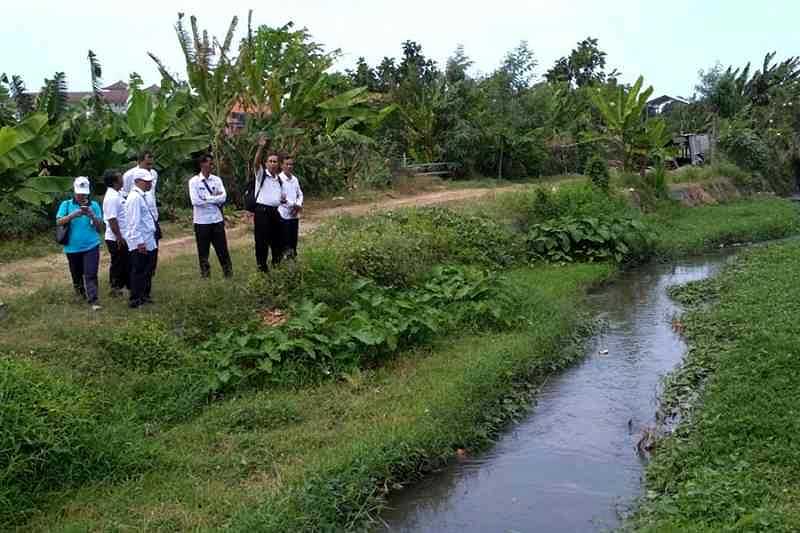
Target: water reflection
{"points": [[572, 465]]}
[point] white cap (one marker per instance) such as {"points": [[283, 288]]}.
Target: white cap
{"points": [[142, 174], [81, 185]]}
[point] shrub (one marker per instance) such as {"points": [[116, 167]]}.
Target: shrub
{"points": [[745, 148], [24, 221], [597, 170], [589, 239], [317, 340], [144, 345], [541, 205]]}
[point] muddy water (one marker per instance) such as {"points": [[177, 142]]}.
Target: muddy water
{"points": [[572, 465]]}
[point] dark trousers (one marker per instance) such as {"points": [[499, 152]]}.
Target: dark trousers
{"points": [[207, 235], [268, 235], [118, 271], [142, 265], [83, 268], [291, 228]]}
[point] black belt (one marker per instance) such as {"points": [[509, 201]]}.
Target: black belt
{"points": [[263, 207]]}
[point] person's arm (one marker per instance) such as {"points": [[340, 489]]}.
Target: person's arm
{"points": [[127, 183], [198, 195], [111, 208], [299, 200], [113, 223], [96, 214], [134, 221], [222, 197], [64, 217], [257, 159]]}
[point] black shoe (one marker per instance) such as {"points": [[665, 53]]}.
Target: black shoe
{"points": [[135, 304], [147, 300]]}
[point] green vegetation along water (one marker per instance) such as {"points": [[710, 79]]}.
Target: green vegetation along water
{"points": [[733, 464], [296, 449]]}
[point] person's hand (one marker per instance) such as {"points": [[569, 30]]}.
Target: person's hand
{"points": [[262, 140], [141, 248]]}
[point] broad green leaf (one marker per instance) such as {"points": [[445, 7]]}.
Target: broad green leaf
{"points": [[52, 184], [32, 196]]}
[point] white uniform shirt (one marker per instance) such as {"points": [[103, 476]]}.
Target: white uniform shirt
{"points": [[206, 207], [140, 225], [294, 197], [114, 207], [150, 196], [270, 191]]}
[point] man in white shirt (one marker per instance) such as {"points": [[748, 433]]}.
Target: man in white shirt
{"points": [[208, 195], [114, 215], [290, 210], [145, 161], [269, 195], [140, 224]]}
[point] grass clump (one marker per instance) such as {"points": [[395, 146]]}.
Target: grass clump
{"points": [[733, 464], [144, 345], [50, 437], [681, 231]]}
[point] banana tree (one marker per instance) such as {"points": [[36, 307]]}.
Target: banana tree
{"points": [[168, 125], [623, 116], [25, 151], [214, 84]]}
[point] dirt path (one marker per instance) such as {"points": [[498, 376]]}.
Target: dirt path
{"points": [[28, 275]]}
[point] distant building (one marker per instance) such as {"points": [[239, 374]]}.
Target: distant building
{"points": [[664, 104], [116, 95]]}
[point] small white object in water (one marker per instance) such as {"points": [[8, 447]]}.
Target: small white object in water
{"points": [[603, 352]]}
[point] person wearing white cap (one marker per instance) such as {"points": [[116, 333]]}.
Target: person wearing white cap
{"points": [[140, 234], [84, 219], [145, 161]]}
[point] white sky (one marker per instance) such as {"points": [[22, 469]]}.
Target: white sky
{"points": [[665, 42]]}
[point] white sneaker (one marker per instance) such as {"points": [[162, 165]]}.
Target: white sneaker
{"points": [[96, 307]]}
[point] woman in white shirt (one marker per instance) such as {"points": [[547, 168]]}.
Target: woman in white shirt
{"points": [[290, 208], [114, 216]]}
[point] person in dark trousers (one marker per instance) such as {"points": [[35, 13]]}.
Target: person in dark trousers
{"points": [[290, 210], [85, 221], [145, 161], [269, 195], [208, 195], [114, 217], [140, 224]]}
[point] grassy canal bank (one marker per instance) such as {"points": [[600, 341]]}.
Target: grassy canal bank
{"points": [[734, 462], [166, 420]]}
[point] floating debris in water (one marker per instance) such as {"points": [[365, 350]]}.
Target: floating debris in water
{"points": [[603, 352]]}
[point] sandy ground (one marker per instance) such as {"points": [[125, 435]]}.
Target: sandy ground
{"points": [[28, 275]]}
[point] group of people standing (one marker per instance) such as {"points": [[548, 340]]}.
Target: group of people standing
{"points": [[132, 232]]}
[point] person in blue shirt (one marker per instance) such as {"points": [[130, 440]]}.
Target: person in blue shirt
{"points": [[85, 220]]}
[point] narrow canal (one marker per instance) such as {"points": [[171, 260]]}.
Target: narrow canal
{"points": [[573, 464]]}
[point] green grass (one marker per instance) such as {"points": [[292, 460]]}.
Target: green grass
{"points": [[681, 231], [734, 465], [251, 459], [36, 246], [695, 174], [300, 456]]}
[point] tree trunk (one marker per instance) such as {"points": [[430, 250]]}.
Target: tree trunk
{"points": [[500, 161]]}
